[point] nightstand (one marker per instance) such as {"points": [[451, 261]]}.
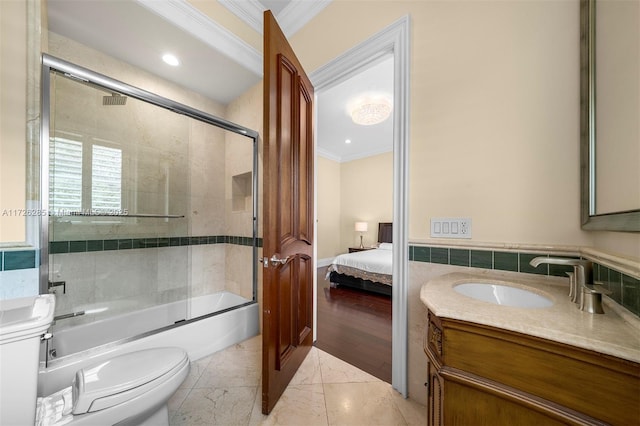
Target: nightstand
{"points": [[355, 249]]}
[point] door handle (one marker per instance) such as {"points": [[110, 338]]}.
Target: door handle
{"points": [[275, 261]]}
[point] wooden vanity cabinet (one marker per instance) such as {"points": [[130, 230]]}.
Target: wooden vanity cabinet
{"points": [[482, 375]]}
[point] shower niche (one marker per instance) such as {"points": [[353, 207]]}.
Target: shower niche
{"points": [[241, 192], [143, 229]]}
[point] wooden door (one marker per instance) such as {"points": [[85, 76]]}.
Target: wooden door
{"points": [[288, 215]]}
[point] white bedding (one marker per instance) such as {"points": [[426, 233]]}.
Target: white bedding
{"points": [[374, 265]]}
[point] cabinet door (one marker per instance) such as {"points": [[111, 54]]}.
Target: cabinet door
{"points": [[436, 392]]}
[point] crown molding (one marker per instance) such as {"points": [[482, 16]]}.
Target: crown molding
{"points": [[328, 155], [361, 155], [371, 51], [250, 11], [298, 13], [347, 158], [194, 22], [293, 17]]}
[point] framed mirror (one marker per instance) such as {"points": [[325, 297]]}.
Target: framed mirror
{"points": [[610, 107]]}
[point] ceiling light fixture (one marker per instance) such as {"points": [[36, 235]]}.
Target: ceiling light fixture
{"points": [[347, 141], [371, 110], [170, 59]]}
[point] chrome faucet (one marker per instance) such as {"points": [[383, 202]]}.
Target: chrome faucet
{"points": [[582, 272], [581, 291]]}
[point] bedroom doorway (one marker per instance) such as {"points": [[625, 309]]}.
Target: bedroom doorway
{"points": [[354, 182], [338, 227]]}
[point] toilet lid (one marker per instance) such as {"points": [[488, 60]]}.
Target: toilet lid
{"points": [[122, 373]]}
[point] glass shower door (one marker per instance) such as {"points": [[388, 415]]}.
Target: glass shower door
{"points": [[119, 199], [152, 210]]}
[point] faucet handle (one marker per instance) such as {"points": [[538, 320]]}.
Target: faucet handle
{"points": [[573, 287], [591, 300], [596, 287]]}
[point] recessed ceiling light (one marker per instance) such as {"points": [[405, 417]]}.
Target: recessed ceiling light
{"points": [[170, 59], [347, 141]]}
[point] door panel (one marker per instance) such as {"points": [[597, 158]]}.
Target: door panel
{"points": [[305, 298], [288, 215], [305, 161]]}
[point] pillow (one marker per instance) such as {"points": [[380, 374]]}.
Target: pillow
{"points": [[386, 246]]}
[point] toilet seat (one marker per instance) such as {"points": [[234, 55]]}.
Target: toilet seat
{"points": [[124, 377]]}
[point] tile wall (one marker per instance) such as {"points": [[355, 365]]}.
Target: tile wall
{"points": [[18, 273], [625, 289]]}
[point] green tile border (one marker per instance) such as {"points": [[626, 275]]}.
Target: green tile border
{"points": [[482, 259], [506, 261], [625, 290], [81, 246], [11, 260], [460, 257], [18, 259], [440, 255]]}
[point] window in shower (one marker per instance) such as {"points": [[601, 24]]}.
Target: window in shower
{"points": [[66, 181], [90, 190], [106, 179], [185, 243]]}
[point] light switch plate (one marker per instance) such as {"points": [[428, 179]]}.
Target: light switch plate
{"points": [[450, 227]]}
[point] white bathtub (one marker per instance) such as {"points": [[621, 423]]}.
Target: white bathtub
{"points": [[76, 346]]}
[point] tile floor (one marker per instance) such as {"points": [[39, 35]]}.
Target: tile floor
{"points": [[224, 389]]}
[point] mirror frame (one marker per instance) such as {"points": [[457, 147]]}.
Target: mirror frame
{"points": [[625, 221]]}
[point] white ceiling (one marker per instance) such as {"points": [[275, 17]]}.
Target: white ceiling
{"points": [[129, 31], [334, 119], [214, 62]]}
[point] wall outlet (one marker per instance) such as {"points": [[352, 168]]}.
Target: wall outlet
{"points": [[450, 227]]}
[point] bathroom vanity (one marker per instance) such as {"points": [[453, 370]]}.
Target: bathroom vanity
{"points": [[492, 364]]}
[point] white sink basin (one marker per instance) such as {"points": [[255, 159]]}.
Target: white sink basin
{"points": [[503, 295]]}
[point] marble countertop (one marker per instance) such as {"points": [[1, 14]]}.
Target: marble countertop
{"points": [[616, 332]]}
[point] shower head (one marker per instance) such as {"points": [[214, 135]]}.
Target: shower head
{"points": [[114, 99]]}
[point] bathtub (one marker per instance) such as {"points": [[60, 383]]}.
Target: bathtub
{"points": [[234, 319]]}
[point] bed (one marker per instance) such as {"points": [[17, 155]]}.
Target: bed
{"points": [[369, 270]]}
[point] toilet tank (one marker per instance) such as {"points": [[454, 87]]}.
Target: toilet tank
{"points": [[22, 322]]}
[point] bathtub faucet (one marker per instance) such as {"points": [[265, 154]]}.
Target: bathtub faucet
{"points": [[52, 286]]}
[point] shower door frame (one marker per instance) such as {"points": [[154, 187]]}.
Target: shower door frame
{"points": [[84, 75]]}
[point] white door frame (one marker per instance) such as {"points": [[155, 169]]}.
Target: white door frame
{"points": [[394, 40]]}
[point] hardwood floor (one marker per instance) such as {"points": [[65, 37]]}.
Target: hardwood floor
{"points": [[355, 326]]}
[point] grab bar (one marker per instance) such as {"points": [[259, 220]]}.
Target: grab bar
{"points": [[69, 315], [159, 216]]}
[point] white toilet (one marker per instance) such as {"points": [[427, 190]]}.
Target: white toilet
{"points": [[129, 389]]}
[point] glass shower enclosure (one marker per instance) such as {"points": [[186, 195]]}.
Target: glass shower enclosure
{"points": [[152, 210]]}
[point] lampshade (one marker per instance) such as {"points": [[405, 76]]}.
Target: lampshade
{"points": [[361, 226], [370, 111]]}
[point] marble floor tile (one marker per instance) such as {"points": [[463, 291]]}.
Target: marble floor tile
{"points": [[176, 401], [195, 371], [252, 344], [335, 370], [309, 371], [361, 404], [215, 406], [225, 389], [232, 368], [414, 414], [298, 405]]}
